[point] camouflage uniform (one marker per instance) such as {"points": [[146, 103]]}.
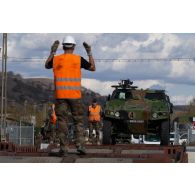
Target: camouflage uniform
{"points": [[49, 134], [76, 107], [64, 102], [97, 126], [94, 121]]}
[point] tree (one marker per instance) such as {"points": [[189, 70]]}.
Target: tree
{"points": [[192, 107]]}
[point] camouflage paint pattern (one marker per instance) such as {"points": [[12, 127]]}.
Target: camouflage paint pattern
{"points": [[137, 110]]}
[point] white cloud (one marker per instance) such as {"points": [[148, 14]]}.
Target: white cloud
{"points": [[103, 88], [181, 99], [22, 45], [147, 83], [119, 66], [114, 46], [177, 69], [170, 42], [132, 49], [183, 70]]}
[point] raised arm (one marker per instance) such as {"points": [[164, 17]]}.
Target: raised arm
{"points": [[49, 61], [89, 53]]}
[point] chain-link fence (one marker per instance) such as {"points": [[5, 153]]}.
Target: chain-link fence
{"points": [[22, 135], [187, 136]]}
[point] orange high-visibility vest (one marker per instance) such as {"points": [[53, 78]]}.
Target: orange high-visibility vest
{"points": [[94, 113], [53, 118], [67, 76]]}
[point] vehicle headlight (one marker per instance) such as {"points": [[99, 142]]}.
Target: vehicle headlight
{"points": [[164, 113], [111, 113], [107, 112], [155, 115], [117, 114]]}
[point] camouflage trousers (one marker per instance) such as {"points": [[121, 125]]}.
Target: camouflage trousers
{"points": [[94, 126], [62, 107], [51, 134], [48, 132]]}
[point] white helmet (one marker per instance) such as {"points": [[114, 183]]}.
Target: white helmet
{"points": [[69, 40]]}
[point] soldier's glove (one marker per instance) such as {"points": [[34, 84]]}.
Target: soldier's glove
{"points": [[54, 47], [87, 48], [53, 107]]}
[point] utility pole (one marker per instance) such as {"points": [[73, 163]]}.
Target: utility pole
{"points": [[4, 88]]}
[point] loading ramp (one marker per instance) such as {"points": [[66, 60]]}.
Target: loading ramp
{"points": [[125, 153]]}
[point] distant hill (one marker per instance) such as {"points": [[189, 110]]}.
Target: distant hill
{"points": [[38, 90], [182, 108], [28, 97]]}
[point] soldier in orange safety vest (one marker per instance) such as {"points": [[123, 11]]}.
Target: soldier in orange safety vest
{"points": [[49, 128], [53, 117], [67, 82], [94, 121]]}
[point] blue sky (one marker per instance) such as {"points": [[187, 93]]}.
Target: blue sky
{"points": [[177, 78]]}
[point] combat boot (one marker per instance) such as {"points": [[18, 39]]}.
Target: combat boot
{"points": [[98, 140], [81, 149], [63, 152]]}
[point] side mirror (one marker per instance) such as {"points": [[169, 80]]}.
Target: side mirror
{"points": [[108, 98]]}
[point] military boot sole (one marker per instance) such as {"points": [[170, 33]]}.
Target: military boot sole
{"points": [[81, 150]]}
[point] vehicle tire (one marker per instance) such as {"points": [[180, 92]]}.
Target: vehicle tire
{"points": [[107, 129], [164, 133], [113, 139]]}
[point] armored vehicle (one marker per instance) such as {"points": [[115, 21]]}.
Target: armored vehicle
{"points": [[130, 110]]}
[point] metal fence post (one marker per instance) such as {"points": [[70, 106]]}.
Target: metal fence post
{"points": [[33, 136], [176, 137], [20, 138], [4, 89], [189, 134]]}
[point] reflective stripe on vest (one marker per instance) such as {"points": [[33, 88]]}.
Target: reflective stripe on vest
{"points": [[68, 79], [94, 113], [67, 88], [67, 76]]}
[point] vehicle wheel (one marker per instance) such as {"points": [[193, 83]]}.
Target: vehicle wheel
{"points": [[164, 133], [107, 129], [113, 139]]}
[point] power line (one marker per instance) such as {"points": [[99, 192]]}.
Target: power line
{"points": [[118, 60], [145, 59]]}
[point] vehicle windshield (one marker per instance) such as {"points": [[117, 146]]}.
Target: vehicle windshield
{"points": [[152, 138], [171, 135], [136, 136], [155, 96], [184, 136], [122, 94], [183, 127]]}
